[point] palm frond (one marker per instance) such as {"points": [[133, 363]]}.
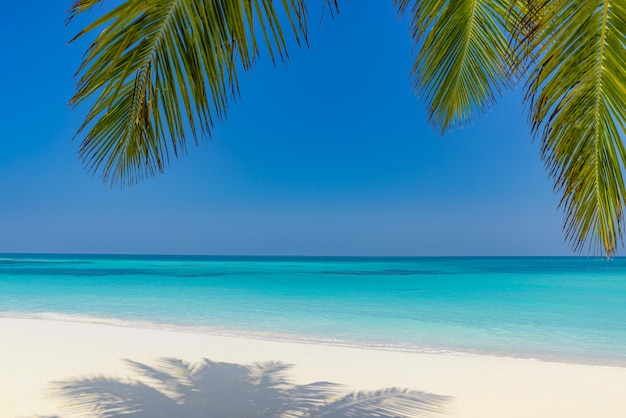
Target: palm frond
{"points": [[576, 94], [463, 54], [80, 6], [162, 69]]}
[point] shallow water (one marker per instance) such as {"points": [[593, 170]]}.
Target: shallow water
{"points": [[563, 309]]}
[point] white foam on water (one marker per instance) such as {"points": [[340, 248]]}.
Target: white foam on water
{"points": [[301, 339]]}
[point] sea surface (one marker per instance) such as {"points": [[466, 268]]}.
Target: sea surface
{"points": [[558, 309]]}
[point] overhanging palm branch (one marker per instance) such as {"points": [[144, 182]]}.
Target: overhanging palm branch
{"points": [[166, 68], [577, 94], [463, 55], [574, 52]]}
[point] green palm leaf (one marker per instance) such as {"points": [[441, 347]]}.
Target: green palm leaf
{"points": [[577, 95], [462, 60], [163, 69]]}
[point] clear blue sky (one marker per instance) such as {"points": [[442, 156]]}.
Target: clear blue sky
{"points": [[330, 155]]}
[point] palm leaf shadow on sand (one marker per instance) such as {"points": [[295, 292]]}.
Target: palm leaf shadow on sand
{"points": [[174, 388]]}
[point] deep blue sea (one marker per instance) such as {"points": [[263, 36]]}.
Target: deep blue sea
{"points": [[562, 309]]}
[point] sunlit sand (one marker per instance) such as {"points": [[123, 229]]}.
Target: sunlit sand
{"points": [[64, 369]]}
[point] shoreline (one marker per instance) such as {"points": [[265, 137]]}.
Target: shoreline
{"points": [[302, 339], [36, 353]]}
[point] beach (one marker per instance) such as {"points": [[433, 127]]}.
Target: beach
{"points": [[71, 369], [185, 336]]}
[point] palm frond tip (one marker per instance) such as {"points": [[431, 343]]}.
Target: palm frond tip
{"points": [[577, 103], [164, 69], [463, 57]]}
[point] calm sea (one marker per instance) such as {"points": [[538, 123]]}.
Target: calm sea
{"points": [[562, 309]]}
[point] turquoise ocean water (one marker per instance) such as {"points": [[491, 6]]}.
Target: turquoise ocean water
{"points": [[562, 309]]}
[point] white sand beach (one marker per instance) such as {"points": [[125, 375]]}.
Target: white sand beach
{"points": [[65, 369]]}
